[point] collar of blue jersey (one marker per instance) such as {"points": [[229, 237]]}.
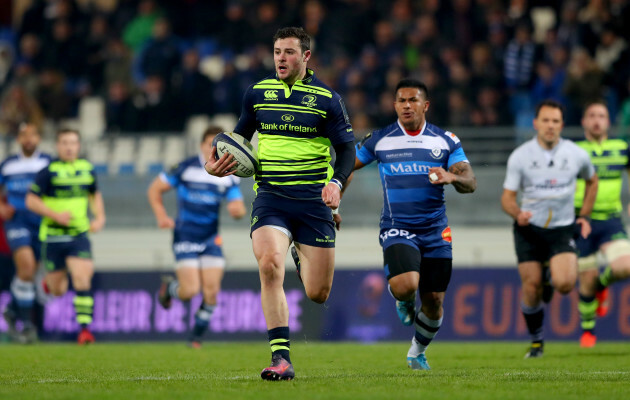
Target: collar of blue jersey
{"points": [[35, 154], [307, 80], [402, 128]]}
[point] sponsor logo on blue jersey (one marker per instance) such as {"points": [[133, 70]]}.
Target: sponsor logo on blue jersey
{"points": [[397, 233]]}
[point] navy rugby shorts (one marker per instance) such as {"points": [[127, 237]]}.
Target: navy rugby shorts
{"points": [[602, 231], [22, 232], [309, 221], [187, 246], [56, 249]]}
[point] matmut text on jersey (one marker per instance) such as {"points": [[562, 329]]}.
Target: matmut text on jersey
{"points": [[296, 126], [404, 160]]}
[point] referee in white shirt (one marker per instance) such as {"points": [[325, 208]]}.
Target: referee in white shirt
{"points": [[545, 170]]}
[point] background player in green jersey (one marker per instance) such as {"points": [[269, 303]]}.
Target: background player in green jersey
{"points": [[62, 194], [298, 118], [608, 235]]}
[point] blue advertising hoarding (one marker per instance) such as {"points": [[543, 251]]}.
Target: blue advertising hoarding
{"points": [[480, 304]]}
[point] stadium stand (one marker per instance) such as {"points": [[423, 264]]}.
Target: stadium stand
{"points": [[122, 160], [148, 158]]}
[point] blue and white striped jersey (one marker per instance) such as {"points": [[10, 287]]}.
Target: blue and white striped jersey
{"points": [[199, 196], [17, 173], [410, 200]]}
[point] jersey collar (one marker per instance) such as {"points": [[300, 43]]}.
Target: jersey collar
{"points": [[402, 128], [35, 154]]}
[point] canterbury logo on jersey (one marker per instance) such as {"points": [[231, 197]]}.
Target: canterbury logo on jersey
{"points": [[271, 95]]}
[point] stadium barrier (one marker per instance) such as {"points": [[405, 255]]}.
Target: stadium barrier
{"points": [[480, 304]]}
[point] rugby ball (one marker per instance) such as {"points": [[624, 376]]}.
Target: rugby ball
{"points": [[242, 150]]}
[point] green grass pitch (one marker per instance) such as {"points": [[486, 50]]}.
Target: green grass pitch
{"points": [[323, 371]]}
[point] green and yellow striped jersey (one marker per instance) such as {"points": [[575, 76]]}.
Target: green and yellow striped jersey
{"points": [[65, 186], [610, 158], [296, 127]]}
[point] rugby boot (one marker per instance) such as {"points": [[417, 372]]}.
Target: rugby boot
{"points": [[418, 363], [588, 340], [11, 319], [164, 297], [406, 311], [603, 303], [85, 337], [279, 370], [535, 351]]}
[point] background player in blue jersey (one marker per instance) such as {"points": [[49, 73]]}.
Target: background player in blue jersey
{"points": [[16, 175], [298, 118], [196, 240], [416, 159]]}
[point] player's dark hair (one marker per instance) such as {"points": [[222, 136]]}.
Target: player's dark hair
{"points": [[210, 131], [294, 32], [598, 102], [552, 104], [64, 131], [413, 83]]}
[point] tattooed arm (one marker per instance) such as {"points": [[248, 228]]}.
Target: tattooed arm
{"points": [[460, 175]]}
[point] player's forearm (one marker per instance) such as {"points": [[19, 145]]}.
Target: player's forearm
{"points": [[97, 205], [157, 206], [37, 205], [344, 163], [510, 205], [590, 193], [154, 195], [465, 180], [236, 209]]}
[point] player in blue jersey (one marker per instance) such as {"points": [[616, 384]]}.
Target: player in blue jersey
{"points": [[416, 159], [297, 118], [16, 175], [196, 240]]}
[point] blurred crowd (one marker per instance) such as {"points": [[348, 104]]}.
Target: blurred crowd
{"points": [[158, 62]]}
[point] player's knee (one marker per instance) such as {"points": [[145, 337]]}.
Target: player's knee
{"points": [[531, 287], [404, 290], [319, 295], [269, 267], [563, 286], [58, 288], [187, 292], [432, 301]]}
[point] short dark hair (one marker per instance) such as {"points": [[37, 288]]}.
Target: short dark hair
{"points": [[552, 104], [294, 32], [212, 130], [599, 102], [64, 131], [413, 83]]}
